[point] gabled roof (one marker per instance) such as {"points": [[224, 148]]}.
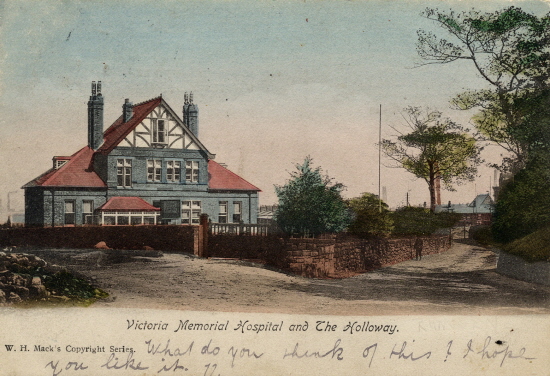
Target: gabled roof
{"points": [[482, 199], [127, 203], [221, 179], [119, 130], [75, 173]]}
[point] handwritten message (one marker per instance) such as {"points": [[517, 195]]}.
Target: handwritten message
{"points": [[276, 345]]}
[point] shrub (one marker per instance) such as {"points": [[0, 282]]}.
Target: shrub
{"points": [[482, 235], [369, 220], [420, 221]]}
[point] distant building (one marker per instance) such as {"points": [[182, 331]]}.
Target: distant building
{"points": [[266, 214], [148, 167], [478, 212]]}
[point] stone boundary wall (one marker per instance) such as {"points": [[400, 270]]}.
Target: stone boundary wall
{"points": [[345, 256], [165, 238], [330, 257], [516, 267]]}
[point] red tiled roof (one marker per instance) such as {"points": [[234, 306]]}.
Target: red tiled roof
{"points": [[119, 130], [75, 173], [220, 178], [128, 203]]}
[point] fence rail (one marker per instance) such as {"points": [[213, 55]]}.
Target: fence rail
{"points": [[240, 229]]}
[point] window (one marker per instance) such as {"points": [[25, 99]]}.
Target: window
{"points": [[87, 212], [190, 212], [151, 220], [192, 171], [70, 212], [60, 163], [124, 172], [109, 220], [154, 169], [222, 218], [125, 218], [159, 131], [237, 211], [173, 171]]}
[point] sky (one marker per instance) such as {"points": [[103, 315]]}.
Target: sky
{"points": [[275, 81]]}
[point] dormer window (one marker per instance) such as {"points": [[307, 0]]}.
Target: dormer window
{"points": [[159, 132], [59, 162]]}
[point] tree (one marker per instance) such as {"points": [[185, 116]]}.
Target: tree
{"points": [[310, 203], [368, 219], [523, 205], [510, 49], [436, 148]]}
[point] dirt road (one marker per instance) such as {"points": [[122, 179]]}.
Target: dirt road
{"points": [[461, 281]]}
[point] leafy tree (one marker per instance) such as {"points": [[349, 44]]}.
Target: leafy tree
{"points": [[368, 219], [510, 49], [523, 205], [310, 203], [436, 148]]}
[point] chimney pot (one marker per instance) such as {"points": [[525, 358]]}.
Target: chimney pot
{"points": [[95, 117], [127, 110], [190, 114]]}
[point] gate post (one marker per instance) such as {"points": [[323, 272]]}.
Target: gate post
{"points": [[203, 236]]}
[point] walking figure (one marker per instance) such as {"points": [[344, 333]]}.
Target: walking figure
{"points": [[418, 244]]}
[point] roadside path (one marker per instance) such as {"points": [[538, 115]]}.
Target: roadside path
{"points": [[461, 281]]}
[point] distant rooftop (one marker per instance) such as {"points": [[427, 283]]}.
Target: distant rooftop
{"points": [[483, 203]]}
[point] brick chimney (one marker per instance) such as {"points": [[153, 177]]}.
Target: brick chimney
{"points": [[95, 117], [127, 110], [191, 114]]}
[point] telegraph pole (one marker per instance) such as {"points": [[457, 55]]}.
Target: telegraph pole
{"points": [[379, 158]]}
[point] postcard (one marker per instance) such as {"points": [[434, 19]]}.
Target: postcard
{"points": [[274, 187]]}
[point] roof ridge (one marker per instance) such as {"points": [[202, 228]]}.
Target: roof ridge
{"points": [[148, 100]]}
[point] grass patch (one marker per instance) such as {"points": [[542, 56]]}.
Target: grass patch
{"points": [[533, 247]]}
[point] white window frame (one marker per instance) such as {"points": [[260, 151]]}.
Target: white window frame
{"points": [[173, 171], [237, 211], [154, 170], [124, 172], [60, 163], [89, 213], [69, 209], [122, 215], [192, 171], [191, 211], [222, 216], [159, 134]]}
